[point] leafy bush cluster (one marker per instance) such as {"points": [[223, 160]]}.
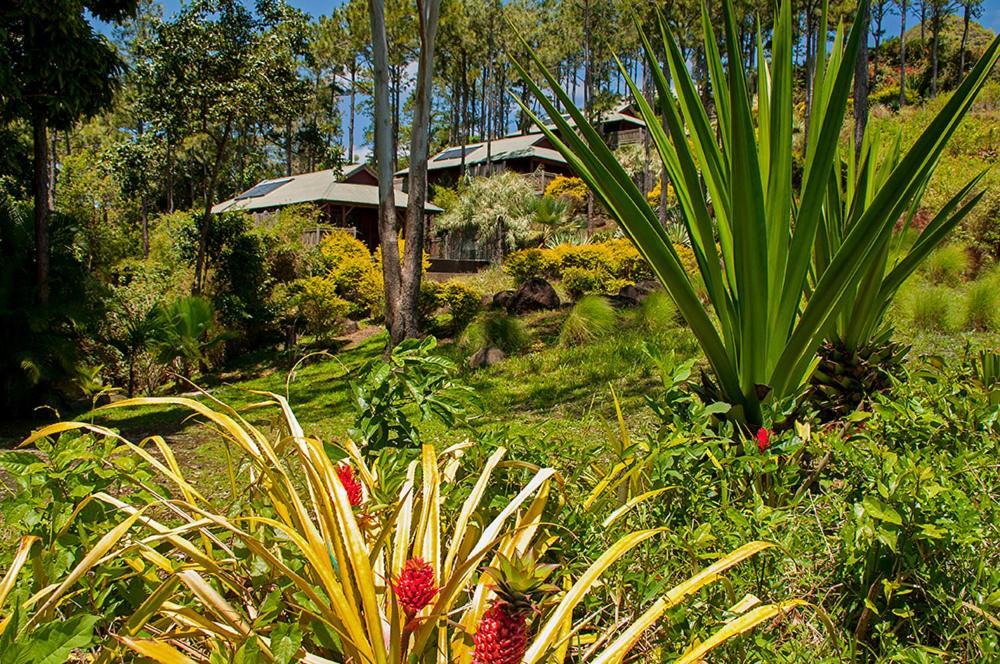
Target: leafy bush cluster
{"points": [[598, 267], [468, 559], [459, 302], [570, 189]]}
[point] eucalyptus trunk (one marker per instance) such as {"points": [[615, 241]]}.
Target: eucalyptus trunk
{"points": [[42, 192], [902, 52]]}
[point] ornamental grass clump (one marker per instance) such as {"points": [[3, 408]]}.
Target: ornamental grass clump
{"points": [[756, 236], [591, 318], [293, 571]]}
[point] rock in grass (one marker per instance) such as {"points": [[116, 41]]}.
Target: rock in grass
{"points": [[534, 295], [503, 299], [486, 357]]}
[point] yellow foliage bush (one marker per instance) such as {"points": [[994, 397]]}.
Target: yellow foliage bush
{"points": [[318, 303], [615, 259], [570, 189], [355, 275], [339, 245], [653, 196]]}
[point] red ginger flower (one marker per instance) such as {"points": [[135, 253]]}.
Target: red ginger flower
{"points": [[351, 484], [502, 636], [415, 587], [763, 439]]}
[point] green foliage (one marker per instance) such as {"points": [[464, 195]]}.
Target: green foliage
{"points": [[527, 264], [496, 329], [579, 281], [499, 209], [353, 271], [931, 308], [57, 67], [658, 311], [43, 359], [947, 265], [982, 304], [52, 499], [459, 300], [411, 385], [186, 333], [589, 319], [321, 309], [758, 337]]}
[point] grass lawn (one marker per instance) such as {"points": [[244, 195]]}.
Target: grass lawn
{"points": [[556, 400]]}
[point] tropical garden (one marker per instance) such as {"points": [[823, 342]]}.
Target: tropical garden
{"points": [[731, 393]]}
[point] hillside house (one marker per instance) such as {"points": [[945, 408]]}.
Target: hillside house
{"points": [[347, 199]]}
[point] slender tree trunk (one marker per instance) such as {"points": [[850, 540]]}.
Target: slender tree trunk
{"points": [[384, 157], [206, 218], [43, 206], [53, 174], [144, 212], [902, 53], [429, 11], [397, 78], [966, 16], [861, 85], [878, 40], [350, 140], [288, 147], [170, 176], [935, 34]]}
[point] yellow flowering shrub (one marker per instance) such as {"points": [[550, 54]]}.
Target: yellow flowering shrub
{"points": [[571, 189]]}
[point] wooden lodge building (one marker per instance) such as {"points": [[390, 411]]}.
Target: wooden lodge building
{"points": [[348, 200], [530, 154]]}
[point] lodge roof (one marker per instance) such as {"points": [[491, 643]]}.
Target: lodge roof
{"points": [[500, 149], [517, 145], [317, 187]]}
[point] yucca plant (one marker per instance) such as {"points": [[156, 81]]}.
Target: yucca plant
{"points": [[351, 565], [769, 311]]}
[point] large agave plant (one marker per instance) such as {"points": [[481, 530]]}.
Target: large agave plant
{"points": [[369, 571], [769, 308]]}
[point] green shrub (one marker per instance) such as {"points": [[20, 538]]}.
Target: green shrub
{"points": [[496, 329], [579, 281], [947, 265], [982, 304], [322, 310], [359, 283], [658, 311], [462, 301], [930, 308], [589, 319], [528, 264]]}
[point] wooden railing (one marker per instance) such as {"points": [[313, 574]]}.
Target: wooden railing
{"points": [[626, 137], [314, 236]]}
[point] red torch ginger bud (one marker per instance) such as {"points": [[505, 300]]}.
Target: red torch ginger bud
{"points": [[763, 439]]}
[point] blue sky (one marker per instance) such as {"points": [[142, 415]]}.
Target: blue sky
{"points": [[990, 16]]}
